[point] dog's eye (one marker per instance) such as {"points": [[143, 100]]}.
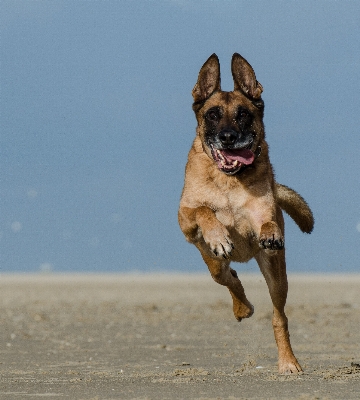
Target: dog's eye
{"points": [[212, 116], [242, 114]]}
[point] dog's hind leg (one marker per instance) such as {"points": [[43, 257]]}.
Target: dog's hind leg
{"points": [[274, 270], [226, 276]]}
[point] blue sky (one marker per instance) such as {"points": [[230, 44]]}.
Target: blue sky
{"points": [[96, 123]]}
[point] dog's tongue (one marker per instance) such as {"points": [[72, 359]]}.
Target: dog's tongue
{"points": [[244, 156]]}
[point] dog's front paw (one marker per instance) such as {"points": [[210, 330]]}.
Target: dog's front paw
{"points": [[271, 237], [219, 242]]}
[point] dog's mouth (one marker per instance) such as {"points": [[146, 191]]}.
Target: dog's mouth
{"points": [[231, 161]]}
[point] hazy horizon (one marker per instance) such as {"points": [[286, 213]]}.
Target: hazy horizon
{"points": [[96, 124]]}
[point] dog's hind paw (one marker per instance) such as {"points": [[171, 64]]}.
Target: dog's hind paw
{"points": [[242, 310], [288, 368]]}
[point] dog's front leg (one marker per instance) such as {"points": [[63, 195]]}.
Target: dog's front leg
{"points": [[267, 222], [274, 270], [201, 223], [271, 236]]}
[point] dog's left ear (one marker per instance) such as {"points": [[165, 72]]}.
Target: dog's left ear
{"points": [[244, 78]]}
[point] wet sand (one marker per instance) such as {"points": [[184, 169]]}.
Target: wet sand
{"points": [[174, 337]]}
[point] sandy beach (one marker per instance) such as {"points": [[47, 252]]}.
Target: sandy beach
{"points": [[174, 337]]}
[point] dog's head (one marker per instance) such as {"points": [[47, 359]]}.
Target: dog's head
{"points": [[229, 123]]}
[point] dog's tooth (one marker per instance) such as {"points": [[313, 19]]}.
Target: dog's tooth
{"points": [[235, 163], [220, 155]]}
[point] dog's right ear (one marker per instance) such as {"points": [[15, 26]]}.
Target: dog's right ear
{"points": [[208, 81]]}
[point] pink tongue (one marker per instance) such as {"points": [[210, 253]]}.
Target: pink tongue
{"points": [[244, 156]]}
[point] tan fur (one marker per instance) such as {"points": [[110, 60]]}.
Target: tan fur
{"points": [[294, 205], [238, 217]]}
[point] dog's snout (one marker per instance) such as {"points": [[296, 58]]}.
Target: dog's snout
{"points": [[228, 137]]}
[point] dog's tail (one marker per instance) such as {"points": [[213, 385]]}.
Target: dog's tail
{"points": [[294, 205]]}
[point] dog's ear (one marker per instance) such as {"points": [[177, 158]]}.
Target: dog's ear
{"points": [[244, 78], [208, 80]]}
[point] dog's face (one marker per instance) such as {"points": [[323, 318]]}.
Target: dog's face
{"points": [[229, 123]]}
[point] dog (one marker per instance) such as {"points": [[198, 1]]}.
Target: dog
{"points": [[231, 206]]}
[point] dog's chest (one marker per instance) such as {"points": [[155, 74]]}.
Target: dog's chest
{"points": [[234, 210], [243, 211]]}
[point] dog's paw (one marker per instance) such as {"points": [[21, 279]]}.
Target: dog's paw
{"points": [[242, 310], [271, 237], [272, 243], [219, 242], [288, 367]]}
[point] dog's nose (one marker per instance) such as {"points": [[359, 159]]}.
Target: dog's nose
{"points": [[228, 137]]}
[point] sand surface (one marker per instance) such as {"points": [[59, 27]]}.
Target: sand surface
{"points": [[173, 337]]}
